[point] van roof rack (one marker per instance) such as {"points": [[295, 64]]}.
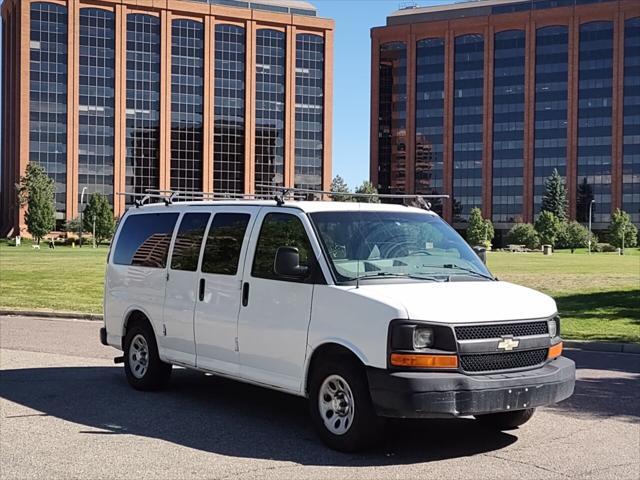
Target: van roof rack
{"points": [[279, 194]]}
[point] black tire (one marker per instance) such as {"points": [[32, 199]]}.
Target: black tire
{"points": [[366, 427], [157, 372], [506, 420]]}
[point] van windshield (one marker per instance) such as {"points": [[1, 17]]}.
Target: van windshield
{"points": [[375, 245]]}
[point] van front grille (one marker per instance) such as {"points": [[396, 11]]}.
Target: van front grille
{"points": [[488, 362], [522, 329]]}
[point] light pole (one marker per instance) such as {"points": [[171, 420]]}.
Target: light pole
{"points": [[624, 228], [590, 205], [81, 212]]}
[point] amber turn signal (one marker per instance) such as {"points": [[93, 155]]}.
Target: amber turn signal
{"points": [[555, 351], [424, 361]]}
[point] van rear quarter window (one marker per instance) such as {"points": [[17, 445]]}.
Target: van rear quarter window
{"points": [[144, 240]]}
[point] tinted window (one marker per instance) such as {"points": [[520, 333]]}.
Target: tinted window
{"points": [[224, 242], [144, 240], [186, 250], [279, 230]]}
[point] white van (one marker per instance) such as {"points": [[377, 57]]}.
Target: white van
{"points": [[368, 310]]}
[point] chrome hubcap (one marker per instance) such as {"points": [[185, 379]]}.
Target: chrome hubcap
{"points": [[138, 356], [336, 404]]}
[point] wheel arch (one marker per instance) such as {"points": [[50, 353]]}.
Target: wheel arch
{"points": [[330, 349], [133, 316]]}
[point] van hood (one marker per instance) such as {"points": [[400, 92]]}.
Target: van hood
{"points": [[463, 302]]}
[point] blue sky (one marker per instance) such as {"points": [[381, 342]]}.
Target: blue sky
{"points": [[352, 79]]}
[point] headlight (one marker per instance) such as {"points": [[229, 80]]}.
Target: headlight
{"points": [[553, 327], [422, 338]]}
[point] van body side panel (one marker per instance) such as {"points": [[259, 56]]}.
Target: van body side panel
{"points": [[348, 316]]}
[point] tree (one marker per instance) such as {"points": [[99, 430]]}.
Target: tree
{"points": [[338, 185], [369, 189], [622, 227], [37, 191], [572, 235], [554, 199], [548, 226], [98, 209], [583, 200], [479, 231], [523, 234]]}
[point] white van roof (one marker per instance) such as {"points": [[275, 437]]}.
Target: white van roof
{"points": [[305, 206]]}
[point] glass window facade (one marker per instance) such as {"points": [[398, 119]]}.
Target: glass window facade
{"points": [[229, 133], [270, 108], [467, 124], [143, 104], [550, 149], [187, 88], [96, 102], [594, 121], [631, 128], [508, 125], [392, 118], [48, 95], [309, 111], [430, 118]]}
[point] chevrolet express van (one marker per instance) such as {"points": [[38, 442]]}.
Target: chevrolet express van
{"points": [[368, 310]]}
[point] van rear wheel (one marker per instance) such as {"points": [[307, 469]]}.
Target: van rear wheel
{"points": [[506, 420], [142, 364], [341, 407]]}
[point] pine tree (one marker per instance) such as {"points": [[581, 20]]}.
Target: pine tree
{"points": [[554, 199], [367, 188], [37, 191], [339, 186], [98, 209]]}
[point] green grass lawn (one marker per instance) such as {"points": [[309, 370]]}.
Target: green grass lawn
{"points": [[598, 295]]}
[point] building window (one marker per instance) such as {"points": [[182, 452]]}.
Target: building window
{"points": [[143, 104], [467, 124], [228, 150], [309, 111], [508, 125], [430, 118], [48, 96], [270, 108], [187, 87], [392, 118], [550, 148], [631, 132], [594, 121], [96, 105]]}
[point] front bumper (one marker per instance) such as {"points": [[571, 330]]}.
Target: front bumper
{"points": [[444, 394]]}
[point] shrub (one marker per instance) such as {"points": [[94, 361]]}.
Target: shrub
{"points": [[572, 235], [479, 231], [523, 234]]}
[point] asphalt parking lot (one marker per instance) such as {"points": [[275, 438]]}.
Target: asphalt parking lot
{"points": [[67, 412]]}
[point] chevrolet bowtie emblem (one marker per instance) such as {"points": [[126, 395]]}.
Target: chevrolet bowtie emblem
{"points": [[508, 344]]}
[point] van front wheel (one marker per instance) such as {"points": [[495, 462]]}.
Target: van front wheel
{"points": [[142, 364], [506, 420], [341, 407]]}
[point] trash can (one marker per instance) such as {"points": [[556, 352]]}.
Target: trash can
{"points": [[481, 252], [546, 250]]}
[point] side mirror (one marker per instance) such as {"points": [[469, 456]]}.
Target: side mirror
{"points": [[287, 263], [482, 253]]}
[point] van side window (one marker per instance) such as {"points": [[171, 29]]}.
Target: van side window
{"points": [[224, 242], [186, 250], [279, 230], [144, 240]]}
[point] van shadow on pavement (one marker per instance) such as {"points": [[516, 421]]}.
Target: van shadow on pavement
{"points": [[226, 417]]}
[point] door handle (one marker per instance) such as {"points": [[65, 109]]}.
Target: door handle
{"points": [[245, 294], [201, 290]]}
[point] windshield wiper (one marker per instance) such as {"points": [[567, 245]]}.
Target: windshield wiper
{"points": [[398, 275], [468, 270]]}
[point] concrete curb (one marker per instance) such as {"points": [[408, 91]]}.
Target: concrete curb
{"points": [[603, 346], [612, 347], [50, 314]]}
